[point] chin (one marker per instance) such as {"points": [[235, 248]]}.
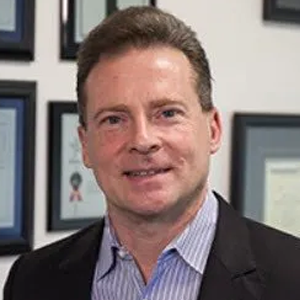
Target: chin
{"points": [[159, 211]]}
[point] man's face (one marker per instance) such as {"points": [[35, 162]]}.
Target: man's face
{"points": [[147, 139]]}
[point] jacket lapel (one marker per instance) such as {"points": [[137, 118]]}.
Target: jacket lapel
{"points": [[77, 270], [231, 271]]}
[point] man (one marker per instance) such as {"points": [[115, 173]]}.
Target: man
{"points": [[148, 128]]}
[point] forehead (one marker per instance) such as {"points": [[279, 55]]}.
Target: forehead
{"points": [[139, 72], [145, 61]]}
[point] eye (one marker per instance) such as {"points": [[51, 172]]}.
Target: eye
{"points": [[170, 113], [111, 120]]}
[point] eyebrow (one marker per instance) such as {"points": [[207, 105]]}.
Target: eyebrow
{"points": [[165, 102]]}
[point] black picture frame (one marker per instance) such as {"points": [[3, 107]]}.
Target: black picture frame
{"points": [[68, 43], [265, 146], [69, 206], [17, 150], [282, 11], [17, 40]]}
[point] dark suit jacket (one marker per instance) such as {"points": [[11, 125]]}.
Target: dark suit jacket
{"points": [[247, 261]]}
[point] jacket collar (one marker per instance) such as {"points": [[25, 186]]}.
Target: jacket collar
{"points": [[85, 248], [231, 271], [78, 264]]}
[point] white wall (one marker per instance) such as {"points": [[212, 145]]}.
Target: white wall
{"points": [[256, 67]]}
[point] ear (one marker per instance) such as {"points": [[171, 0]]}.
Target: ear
{"points": [[83, 137], [215, 127]]}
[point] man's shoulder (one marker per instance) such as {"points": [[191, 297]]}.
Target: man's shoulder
{"points": [[269, 246], [273, 243], [277, 257], [43, 273], [254, 248], [67, 247], [262, 237]]}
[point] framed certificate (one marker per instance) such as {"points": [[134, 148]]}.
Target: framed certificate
{"points": [[78, 17], [75, 200], [265, 169], [17, 135], [17, 29], [282, 10]]}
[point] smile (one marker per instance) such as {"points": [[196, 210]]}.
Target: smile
{"points": [[144, 173]]}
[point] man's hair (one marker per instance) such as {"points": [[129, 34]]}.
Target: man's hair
{"points": [[142, 27]]}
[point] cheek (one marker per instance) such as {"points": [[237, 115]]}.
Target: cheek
{"points": [[102, 159], [191, 147], [189, 138], [103, 148], [181, 147]]}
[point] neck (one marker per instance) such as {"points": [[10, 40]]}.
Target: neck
{"points": [[145, 239]]}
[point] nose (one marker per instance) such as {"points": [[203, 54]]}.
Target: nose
{"points": [[144, 138]]}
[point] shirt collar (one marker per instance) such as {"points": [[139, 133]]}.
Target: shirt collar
{"points": [[107, 251], [193, 244]]}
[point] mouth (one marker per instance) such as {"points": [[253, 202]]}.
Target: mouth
{"points": [[146, 173]]}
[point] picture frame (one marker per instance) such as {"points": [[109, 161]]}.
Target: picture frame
{"points": [[74, 23], [17, 148], [74, 198], [265, 169], [17, 19], [282, 11]]}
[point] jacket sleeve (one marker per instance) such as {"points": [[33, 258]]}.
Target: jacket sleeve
{"points": [[9, 287]]}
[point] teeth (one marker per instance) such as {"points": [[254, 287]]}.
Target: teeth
{"points": [[145, 173]]}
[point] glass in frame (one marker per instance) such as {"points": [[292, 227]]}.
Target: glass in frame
{"points": [[78, 17], [265, 169], [17, 29], [17, 138], [75, 200], [282, 10]]}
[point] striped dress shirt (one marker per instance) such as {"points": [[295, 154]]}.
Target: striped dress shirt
{"points": [[179, 268]]}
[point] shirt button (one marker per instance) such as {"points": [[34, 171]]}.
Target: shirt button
{"points": [[122, 253]]}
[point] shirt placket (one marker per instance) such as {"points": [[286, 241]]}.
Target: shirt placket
{"points": [[157, 276]]}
